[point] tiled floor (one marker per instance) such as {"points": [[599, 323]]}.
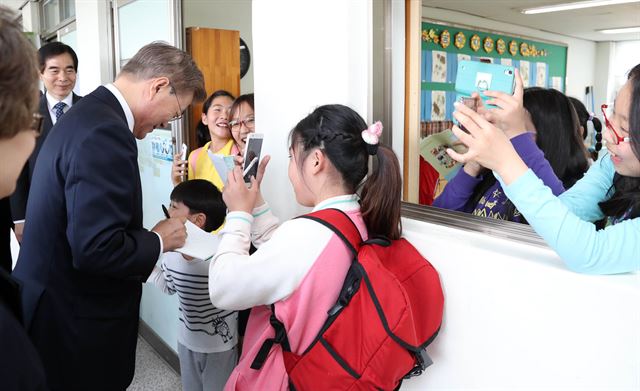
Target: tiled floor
{"points": [[152, 372]]}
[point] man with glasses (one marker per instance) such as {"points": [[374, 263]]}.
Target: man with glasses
{"points": [[58, 65], [85, 253]]}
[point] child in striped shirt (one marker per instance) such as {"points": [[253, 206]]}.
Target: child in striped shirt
{"points": [[208, 336]]}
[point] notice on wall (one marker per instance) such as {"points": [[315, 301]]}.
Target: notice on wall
{"points": [[524, 73], [439, 67], [541, 74], [438, 106]]}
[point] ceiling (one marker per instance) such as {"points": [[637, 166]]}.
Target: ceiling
{"points": [[581, 23]]}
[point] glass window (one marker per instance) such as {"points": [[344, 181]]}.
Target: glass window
{"points": [[57, 13]]}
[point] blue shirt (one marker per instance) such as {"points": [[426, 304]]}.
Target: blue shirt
{"points": [[565, 222]]}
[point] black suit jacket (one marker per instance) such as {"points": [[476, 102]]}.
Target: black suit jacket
{"points": [[21, 194], [20, 366], [85, 254]]}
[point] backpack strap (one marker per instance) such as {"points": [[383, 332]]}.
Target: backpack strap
{"points": [[341, 224], [280, 337], [338, 222]]}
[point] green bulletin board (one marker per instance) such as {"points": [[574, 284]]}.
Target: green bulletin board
{"points": [[545, 62]]}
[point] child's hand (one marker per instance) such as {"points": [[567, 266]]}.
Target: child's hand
{"points": [[236, 195], [510, 115], [178, 169], [488, 145]]}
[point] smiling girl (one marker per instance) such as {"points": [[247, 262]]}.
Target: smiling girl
{"points": [[215, 122], [610, 189]]}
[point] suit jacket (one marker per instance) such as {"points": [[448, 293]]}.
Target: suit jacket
{"points": [[21, 194], [5, 240], [85, 254], [20, 366]]}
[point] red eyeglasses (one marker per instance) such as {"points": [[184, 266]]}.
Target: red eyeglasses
{"points": [[616, 136]]}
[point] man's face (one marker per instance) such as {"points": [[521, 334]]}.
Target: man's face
{"points": [[159, 109], [59, 75]]}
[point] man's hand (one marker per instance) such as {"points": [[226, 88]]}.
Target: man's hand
{"points": [[173, 233]]}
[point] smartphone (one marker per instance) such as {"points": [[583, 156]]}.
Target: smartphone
{"points": [[183, 154], [251, 156], [475, 76]]}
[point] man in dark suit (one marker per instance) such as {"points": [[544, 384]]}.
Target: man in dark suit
{"points": [[20, 365], [58, 65], [85, 253]]}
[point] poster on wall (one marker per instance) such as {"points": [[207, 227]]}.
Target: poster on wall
{"points": [[438, 106], [541, 74], [464, 57], [556, 83], [506, 61], [439, 67], [524, 73]]}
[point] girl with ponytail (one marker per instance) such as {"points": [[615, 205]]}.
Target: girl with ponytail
{"points": [[300, 265]]}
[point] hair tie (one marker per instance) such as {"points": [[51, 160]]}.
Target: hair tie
{"points": [[371, 137], [590, 117]]}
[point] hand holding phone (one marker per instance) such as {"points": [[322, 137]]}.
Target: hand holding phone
{"points": [[511, 115], [251, 158], [475, 76]]}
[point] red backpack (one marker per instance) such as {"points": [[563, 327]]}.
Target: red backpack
{"points": [[388, 311]]}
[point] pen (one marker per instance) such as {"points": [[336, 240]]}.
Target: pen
{"points": [[246, 171], [166, 212]]}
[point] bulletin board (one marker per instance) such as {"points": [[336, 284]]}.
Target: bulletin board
{"points": [[541, 64]]}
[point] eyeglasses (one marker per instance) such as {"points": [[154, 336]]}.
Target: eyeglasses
{"points": [[179, 115], [248, 123], [616, 136], [36, 123]]}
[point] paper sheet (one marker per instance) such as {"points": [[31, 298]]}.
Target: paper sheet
{"points": [[222, 163], [433, 150], [199, 244]]}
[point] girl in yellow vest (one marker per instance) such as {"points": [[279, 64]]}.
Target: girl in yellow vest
{"points": [[215, 124]]}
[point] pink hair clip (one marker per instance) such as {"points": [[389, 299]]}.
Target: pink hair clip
{"points": [[371, 136]]}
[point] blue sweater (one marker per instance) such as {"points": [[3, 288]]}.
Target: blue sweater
{"points": [[458, 193], [565, 222]]}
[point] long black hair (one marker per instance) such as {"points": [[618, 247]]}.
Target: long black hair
{"points": [[625, 189], [202, 130], [336, 129], [585, 117], [557, 135]]}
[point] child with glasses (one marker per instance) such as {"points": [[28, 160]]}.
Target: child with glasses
{"points": [[610, 189], [207, 336], [242, 121], [213, 135], [541, 124]]}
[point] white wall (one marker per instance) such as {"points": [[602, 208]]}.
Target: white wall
{"points": [[581, 54], [226, 15], [603, 87], [94, 45], [397, 76], [517, 319], [307, 53]]}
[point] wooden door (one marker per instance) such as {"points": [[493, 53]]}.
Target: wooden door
{"points": [[217, 54]]}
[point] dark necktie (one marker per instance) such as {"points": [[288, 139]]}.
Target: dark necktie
{"points": [[58, 109]]}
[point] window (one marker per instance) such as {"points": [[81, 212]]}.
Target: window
{"points": [[56, 14]]}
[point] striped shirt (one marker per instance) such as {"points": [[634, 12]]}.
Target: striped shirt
{"points": [[203, 328]]}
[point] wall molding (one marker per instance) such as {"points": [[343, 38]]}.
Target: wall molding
{"points": [[163, 350]]}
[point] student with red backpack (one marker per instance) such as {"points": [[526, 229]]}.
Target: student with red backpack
{"points": [[304, 272]]}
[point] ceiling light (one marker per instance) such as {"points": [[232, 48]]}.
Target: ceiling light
{"points": [[574, 5], [620, 30]]}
